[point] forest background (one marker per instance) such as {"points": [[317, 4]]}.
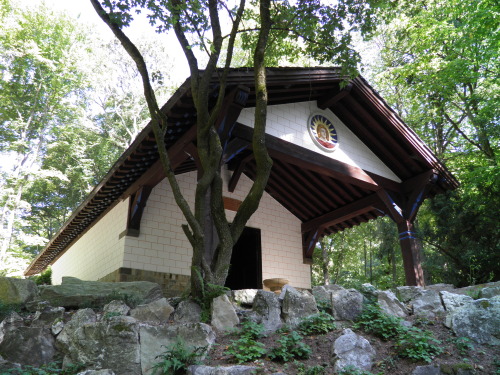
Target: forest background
{"points": [[71, 103]]}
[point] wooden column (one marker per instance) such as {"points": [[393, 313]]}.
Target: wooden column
{"points": [[410, 249]]}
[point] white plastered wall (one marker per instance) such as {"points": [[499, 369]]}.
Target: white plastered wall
{"points": [[163, 247], [289, 122], [98, 252]]}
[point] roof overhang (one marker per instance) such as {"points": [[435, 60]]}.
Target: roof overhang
{"points": [[326, 195]]}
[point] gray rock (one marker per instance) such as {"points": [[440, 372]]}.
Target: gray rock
{"points": [[220, 370], [286, 287], [194, 335], [297, 305], [57, 327], [352, 350], [17, 291], [158, 311], [244, 297], [33, 346], [323, 293], [110, 344], [187, 311], [427, 370], [48, 316], [97, 372], [116, 307], [75, 293], [224, 316], [369, 291], [452, 302], [268, 310], [479, 321], [407, 293], [390, 304], [347, 304], [490, 292], [428, 304]]}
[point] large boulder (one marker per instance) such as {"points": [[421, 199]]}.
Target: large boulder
{"points": [[219, 370], [48, 316], [244, 297], [427, 304], [224, 316], [297, 305], [76, 293], [407, 293], [17, 291], [33, 346], [193, 335], [267, 309], [158, 311], [108, 344], [478, 320], [352, 350], [323, 293], [347, 304], [187, 311], [390, 304]]}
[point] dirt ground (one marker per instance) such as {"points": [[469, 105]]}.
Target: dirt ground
{"points": [[484, 359]]}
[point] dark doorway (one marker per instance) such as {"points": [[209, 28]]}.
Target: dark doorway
{"points": [[245, 271]]}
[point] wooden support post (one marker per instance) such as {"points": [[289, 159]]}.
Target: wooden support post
{"points": [[411, 254]]}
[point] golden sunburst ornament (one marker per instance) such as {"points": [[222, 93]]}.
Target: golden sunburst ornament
{"points": [[323, 132]]}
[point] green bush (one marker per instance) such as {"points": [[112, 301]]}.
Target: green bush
{"points": [[373, 320], [351, 370], [53, 368], [247, 348], [314, 370], [45, 278], [463, 344], [418, 345], [177, 358], [317, 324], [290, 347]]}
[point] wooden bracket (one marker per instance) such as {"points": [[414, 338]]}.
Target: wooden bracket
{"points": [[136, 208]]}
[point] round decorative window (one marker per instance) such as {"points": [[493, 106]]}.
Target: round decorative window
{"points": [[323, 132]]}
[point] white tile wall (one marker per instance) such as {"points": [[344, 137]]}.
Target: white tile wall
{"points": [[289, 122], [163, 247], [98, 252]]}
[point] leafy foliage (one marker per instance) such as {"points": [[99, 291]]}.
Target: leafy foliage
{"points": [[177, 358], [290, 346], [351, 370], [310, 370], [317, 324], [52, 368], [463, 344], [247, 348], [418, 345], [373, 320]]}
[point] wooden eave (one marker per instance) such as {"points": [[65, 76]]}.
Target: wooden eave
{"points": [[307, 184]]}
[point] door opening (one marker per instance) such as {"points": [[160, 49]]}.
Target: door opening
{"points": [[245, 271]]}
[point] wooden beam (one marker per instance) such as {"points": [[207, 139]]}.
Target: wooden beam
{"points": [[136, 209], [341, 214], [310, 160], [309, 241], [231, 108], [155, 173], [234, 148], [410, 249], [418, 188], [235, 177], [333, 97], [392, 206]]}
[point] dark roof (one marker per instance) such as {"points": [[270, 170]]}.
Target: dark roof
{"points": [[309, 185]]}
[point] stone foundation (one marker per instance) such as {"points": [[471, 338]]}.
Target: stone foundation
{"points": [[172, 285]]}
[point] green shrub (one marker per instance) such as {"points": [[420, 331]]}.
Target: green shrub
{"points": [[314, 370], [317, 324], [45, 278], [418, 345], [247, 348], [351, 370], [290, 347], [324, 305], [176, 358], [463, 344], [373, 320], [53, 368], [209, 292]]}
